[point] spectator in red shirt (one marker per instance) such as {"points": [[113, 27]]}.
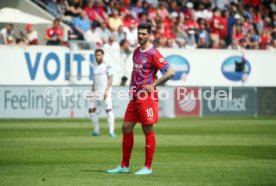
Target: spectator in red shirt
{"points": [[252, 2], [99, 9], [169, 34], [249, 15], [54, 34], [122, 8], [265, 38], [92, 14], [216, 27], [166, 23], [128, 20], [223, 22], [191, 23], [237, 33], [151, 11]]}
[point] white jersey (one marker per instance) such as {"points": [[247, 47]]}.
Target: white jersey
{"points": [[101, 74], [32, 36], [4, 34]]}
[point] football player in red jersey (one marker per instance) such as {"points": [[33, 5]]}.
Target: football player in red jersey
{"points": [[143, 106]]}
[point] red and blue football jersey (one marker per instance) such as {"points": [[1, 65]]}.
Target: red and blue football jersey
{"points": [[145, 66]]}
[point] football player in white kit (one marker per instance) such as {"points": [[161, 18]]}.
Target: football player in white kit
{"points": [[102, 89]]}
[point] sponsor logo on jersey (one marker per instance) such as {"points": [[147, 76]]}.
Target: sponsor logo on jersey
{"points": [[161, 60], [144, 60]]}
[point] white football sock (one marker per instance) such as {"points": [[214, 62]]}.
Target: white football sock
{"points": [[110, 121], [95, 122]]}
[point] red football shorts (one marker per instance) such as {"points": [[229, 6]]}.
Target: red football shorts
{"points": [[144, 110]]}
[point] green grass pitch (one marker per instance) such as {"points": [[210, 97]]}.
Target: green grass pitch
{"points": [[190, 151]]}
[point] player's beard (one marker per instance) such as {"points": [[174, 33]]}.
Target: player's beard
{"points": [[99, 62], [142, 41]]}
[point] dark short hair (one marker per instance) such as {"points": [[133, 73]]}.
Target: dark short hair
{"points": [[145, 26], [99, 50], [11, 25], [56, 20], [122, 42]]}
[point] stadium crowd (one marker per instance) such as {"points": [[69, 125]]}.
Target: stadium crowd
{"points": [[221, 24]]}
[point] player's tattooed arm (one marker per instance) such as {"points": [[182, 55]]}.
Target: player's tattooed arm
{"points": [[169, 73]]}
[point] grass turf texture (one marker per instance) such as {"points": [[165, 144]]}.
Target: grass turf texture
{"points": [[190, 151]]}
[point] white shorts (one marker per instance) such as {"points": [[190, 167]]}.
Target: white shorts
{"points": [[105, 104]]}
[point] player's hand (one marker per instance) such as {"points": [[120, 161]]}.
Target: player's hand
{"points": [[90, 110], [148, 88], [91, 95], [105, 95]]}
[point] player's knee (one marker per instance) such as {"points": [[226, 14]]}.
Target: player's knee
{"points": [[126, 129], [147, 128], [92, 110]]}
